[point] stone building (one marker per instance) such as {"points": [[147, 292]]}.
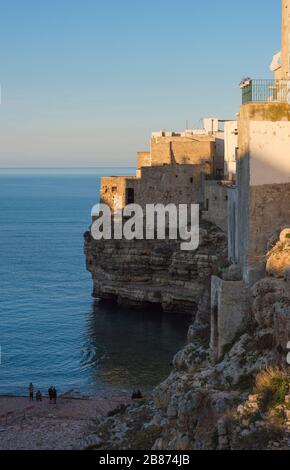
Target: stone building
{"points": [[173, 171], [216, 196], [258, 204], [215, 206], [281, 60], [263, 182], [239, 175], [231, 148]]}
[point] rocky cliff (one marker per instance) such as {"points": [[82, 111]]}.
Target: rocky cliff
{"points": [[240, 402], [141, 272]]}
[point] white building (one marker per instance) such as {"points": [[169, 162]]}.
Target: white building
{"points": [[231, 147]]}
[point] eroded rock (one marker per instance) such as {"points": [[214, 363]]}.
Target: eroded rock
{"points": [[278, 258], [139, 272]]}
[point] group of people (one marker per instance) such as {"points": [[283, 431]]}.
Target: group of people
{"points": [[52, 393]]}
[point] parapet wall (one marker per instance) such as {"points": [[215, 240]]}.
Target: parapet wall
{"points": [[176, 184], [182, 150], [168, 184], [143, 159]]}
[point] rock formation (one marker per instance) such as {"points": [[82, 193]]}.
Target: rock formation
{"points": [[240, 402], [141, 272], [278, 258]]}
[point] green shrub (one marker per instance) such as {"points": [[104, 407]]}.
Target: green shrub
{"points": [[272, 386]]}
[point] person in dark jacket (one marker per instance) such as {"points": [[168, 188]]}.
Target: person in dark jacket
{"points": [[31, 389], [50, 393], [54, 395]]}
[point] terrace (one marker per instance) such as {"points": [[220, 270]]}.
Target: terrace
{"points": [[265, 91]]}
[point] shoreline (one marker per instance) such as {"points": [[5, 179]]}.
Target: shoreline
{"points": [[67, 425], [68, 396]]}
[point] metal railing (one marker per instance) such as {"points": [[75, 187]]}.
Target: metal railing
{"points": [[265, 91]]}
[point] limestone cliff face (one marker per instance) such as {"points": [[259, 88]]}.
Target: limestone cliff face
{"points": [[207, 405], [240, 402], [155, 271]]}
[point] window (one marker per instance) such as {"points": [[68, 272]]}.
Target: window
{"points": [[130, 196], [219, 174], [191, 180]]}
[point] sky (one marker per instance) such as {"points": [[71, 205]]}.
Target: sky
{"points": [[85, 82]]}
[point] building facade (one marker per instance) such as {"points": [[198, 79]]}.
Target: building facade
{"points": [[173, 171]]}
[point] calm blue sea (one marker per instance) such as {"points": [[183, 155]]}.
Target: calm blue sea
{"points": [[51, 330]]}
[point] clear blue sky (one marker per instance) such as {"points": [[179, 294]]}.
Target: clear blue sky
{"points": [[84, 82]]}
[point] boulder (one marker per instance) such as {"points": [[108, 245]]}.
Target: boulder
{"points": [[278, 258]]}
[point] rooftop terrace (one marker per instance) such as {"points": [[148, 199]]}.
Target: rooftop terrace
{"points": [[265, 91]]}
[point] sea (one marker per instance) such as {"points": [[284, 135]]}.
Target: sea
{"points": [[52, 332]]}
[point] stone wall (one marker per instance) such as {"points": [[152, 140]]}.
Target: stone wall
{"points": [[218, 168], [269, 210], [172, 172], [229, 309], [176, 184], [143, 159], [183, 150], [231, 145], [114, 186], [233, 224], [243, 190], [284, 72], [216, 203], [270, 150], [263, 179]]}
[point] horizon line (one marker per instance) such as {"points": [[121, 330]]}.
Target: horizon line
{"points": [[62, 167]]}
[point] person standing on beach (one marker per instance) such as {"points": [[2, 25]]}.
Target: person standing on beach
{"points": [[50, 393], [54, 395], [30, 389]]}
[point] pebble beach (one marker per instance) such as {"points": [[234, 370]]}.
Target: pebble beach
{"points": [[70, 424]]}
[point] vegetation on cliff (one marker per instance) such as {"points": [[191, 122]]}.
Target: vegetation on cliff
{"points": [[241, 401]]}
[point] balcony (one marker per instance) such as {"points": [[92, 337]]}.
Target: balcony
{"points": [[265, 91]]}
